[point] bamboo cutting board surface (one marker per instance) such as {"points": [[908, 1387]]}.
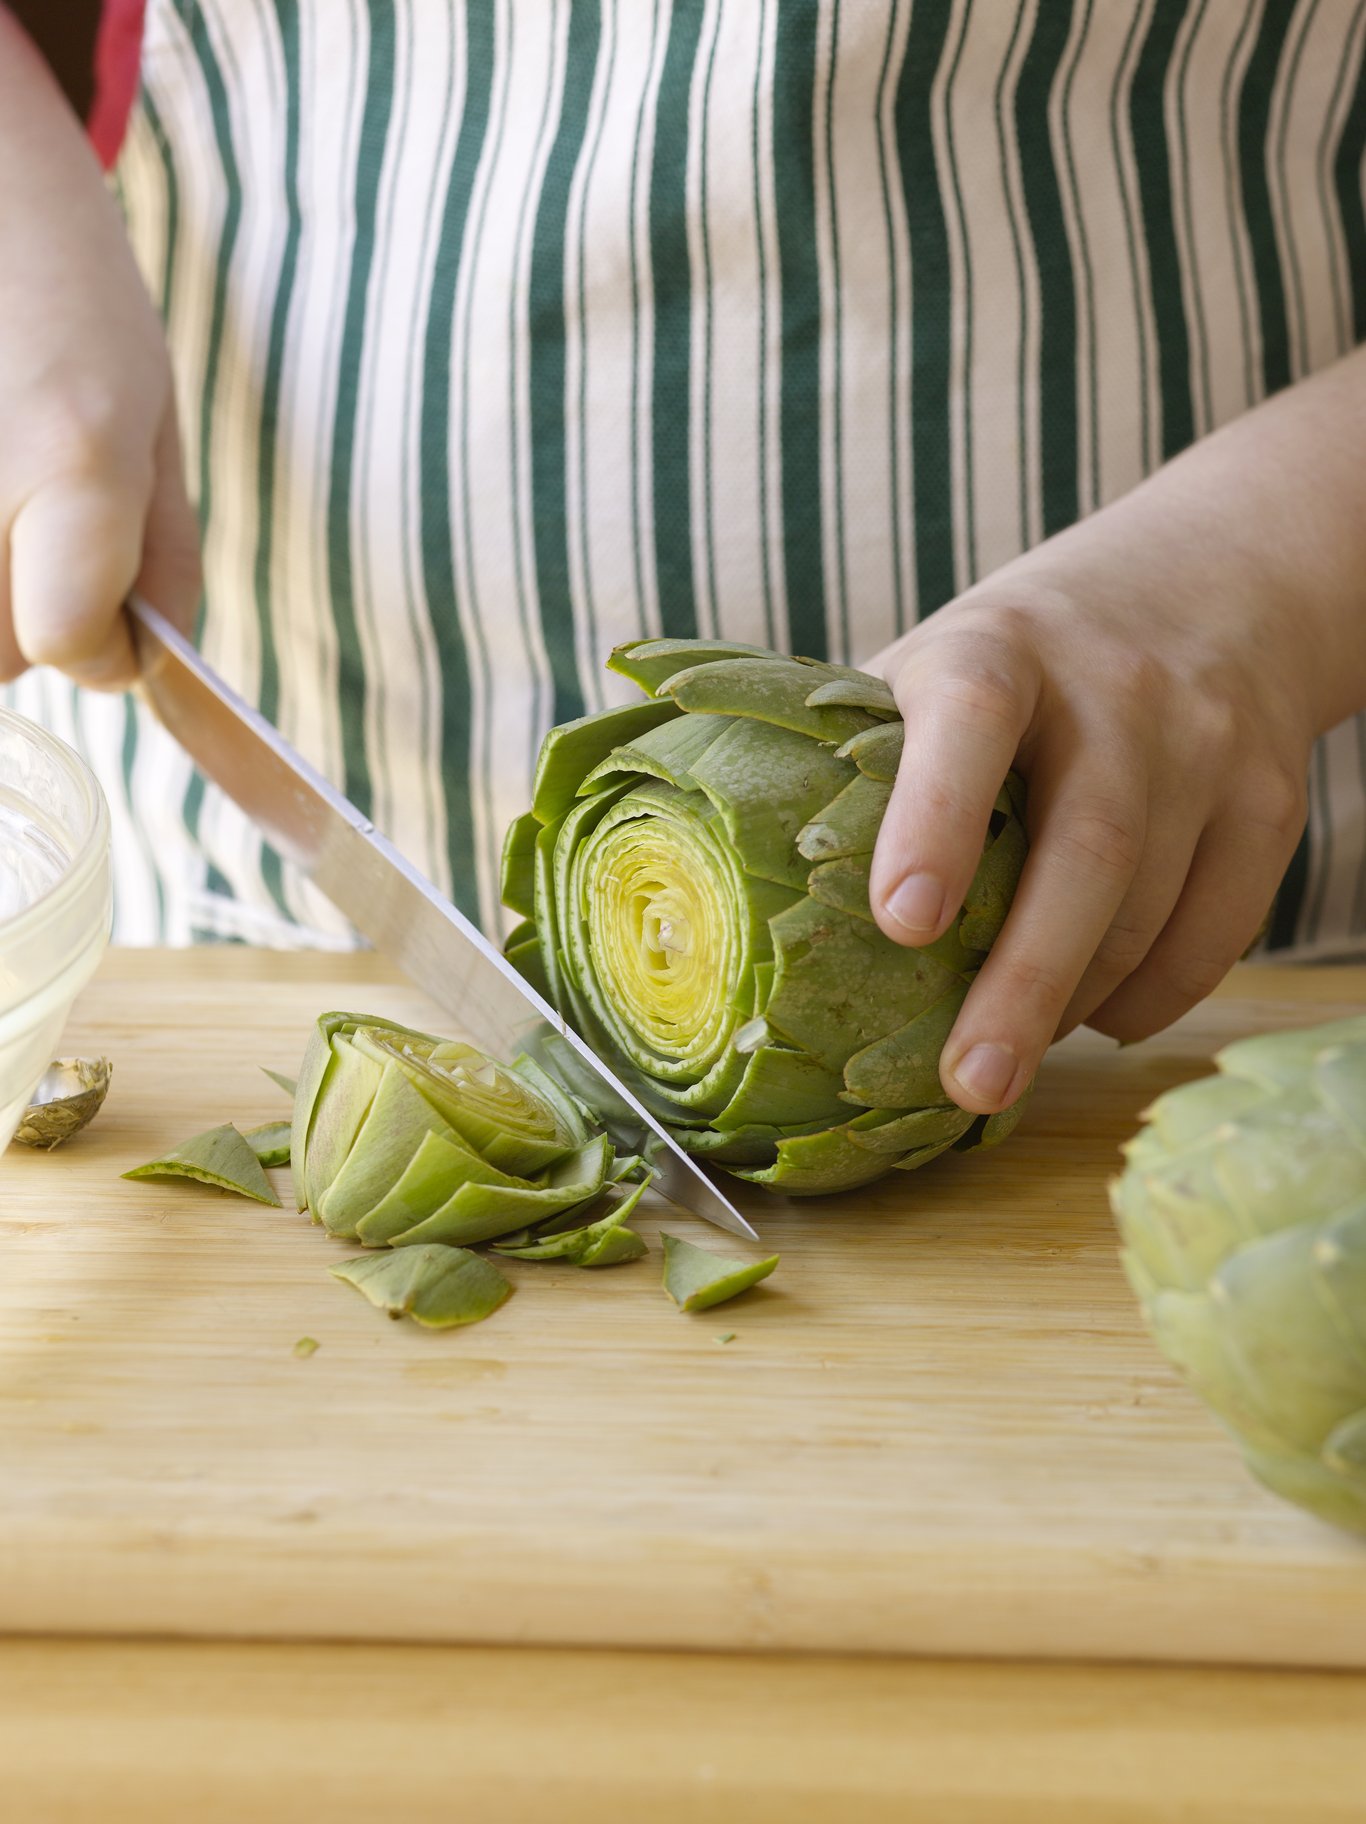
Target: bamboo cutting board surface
{"points": [[939, 1429]]}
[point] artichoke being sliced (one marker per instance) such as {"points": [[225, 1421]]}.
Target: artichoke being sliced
{"points": [[221, 1157], [693, 877], [436, 1286], [1242, 1209]]}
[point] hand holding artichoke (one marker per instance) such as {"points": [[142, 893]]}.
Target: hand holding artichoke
{"points": [[693, 875]]}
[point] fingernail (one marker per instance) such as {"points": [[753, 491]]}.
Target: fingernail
{"points": [[986, 1072], [917, 904]]}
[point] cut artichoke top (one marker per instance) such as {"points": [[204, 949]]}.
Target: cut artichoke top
{"points": [[693, 877]]}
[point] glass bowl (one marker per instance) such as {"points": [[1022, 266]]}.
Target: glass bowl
{"points": [[55, 901]]}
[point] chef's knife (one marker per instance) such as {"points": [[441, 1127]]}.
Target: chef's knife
{"points": [[367, 879]]}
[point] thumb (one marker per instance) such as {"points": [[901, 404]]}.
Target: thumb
{"points": [[75, 548]]}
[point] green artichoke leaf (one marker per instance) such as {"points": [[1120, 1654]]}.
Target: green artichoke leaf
{"points": [[817, 1165], [991, 1130], [574, 1244], [1282, 1060], [696, 1280], [785, 1089], [876, 751], [613, 1249], [849, 823], [884, 1131], [519, 864], [396, 1122], [437, 1169], [287, 1084], [861, 691], [482, 1212], [768, 783], [993, 886], [840, 986], [221, 1158], [270, 1142], [668, 752], [651, 663], [770, 690], [1186, 1117], [902, 1070], [523, 951], [319, 1066], [575, 748], [438, 1287]]}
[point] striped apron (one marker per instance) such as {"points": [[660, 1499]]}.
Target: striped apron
{"points": [[506, 330]]}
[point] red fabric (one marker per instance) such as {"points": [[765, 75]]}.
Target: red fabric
{"points": [[118, 50]]}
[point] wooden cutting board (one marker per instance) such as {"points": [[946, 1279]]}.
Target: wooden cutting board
{"points": [[938, 1429]]}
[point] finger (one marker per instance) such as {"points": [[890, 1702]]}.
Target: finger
{"points": [[75, 548], [966, 706], [1087, 834], [1144, 910], [170, 577], [1237, 868]]}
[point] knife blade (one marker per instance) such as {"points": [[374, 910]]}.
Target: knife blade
{"points": [[370, 882]]}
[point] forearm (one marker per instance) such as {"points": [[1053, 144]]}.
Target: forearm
{"points": [[55, 209], [1258, 528]]}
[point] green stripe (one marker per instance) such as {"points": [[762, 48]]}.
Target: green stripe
{"points": [[352, 684], [1347, 183], [438, 548], [1087, 273], [1131, 240], [518, 430], [1152, 161], [193, 19], [1231, 203], [671, 384], [1022, 464], [593, 642], [708, 327], [1288, 214], [1200, 351], [549, 359], [757, 153], [1254, 114], [637, 143], [794, 154], [931, 305], [837, 287], [884, 88], [1053, 263], [1322, 165], [269, 431]]}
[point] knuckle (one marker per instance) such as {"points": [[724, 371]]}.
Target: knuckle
{"points": [[1034, 983], [1275, 797], [1190, 977], [1120, 952], [1098, 837]]}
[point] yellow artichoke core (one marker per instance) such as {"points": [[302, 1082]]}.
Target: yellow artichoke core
{"points": [[662, 935]]}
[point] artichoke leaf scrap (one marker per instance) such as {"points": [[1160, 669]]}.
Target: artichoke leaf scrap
{"points": [[437, 1286], [696, 1279], [222, 1157]]}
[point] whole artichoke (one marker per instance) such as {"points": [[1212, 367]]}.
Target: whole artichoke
{"points": [[1242, 1208], [694, 877]]}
